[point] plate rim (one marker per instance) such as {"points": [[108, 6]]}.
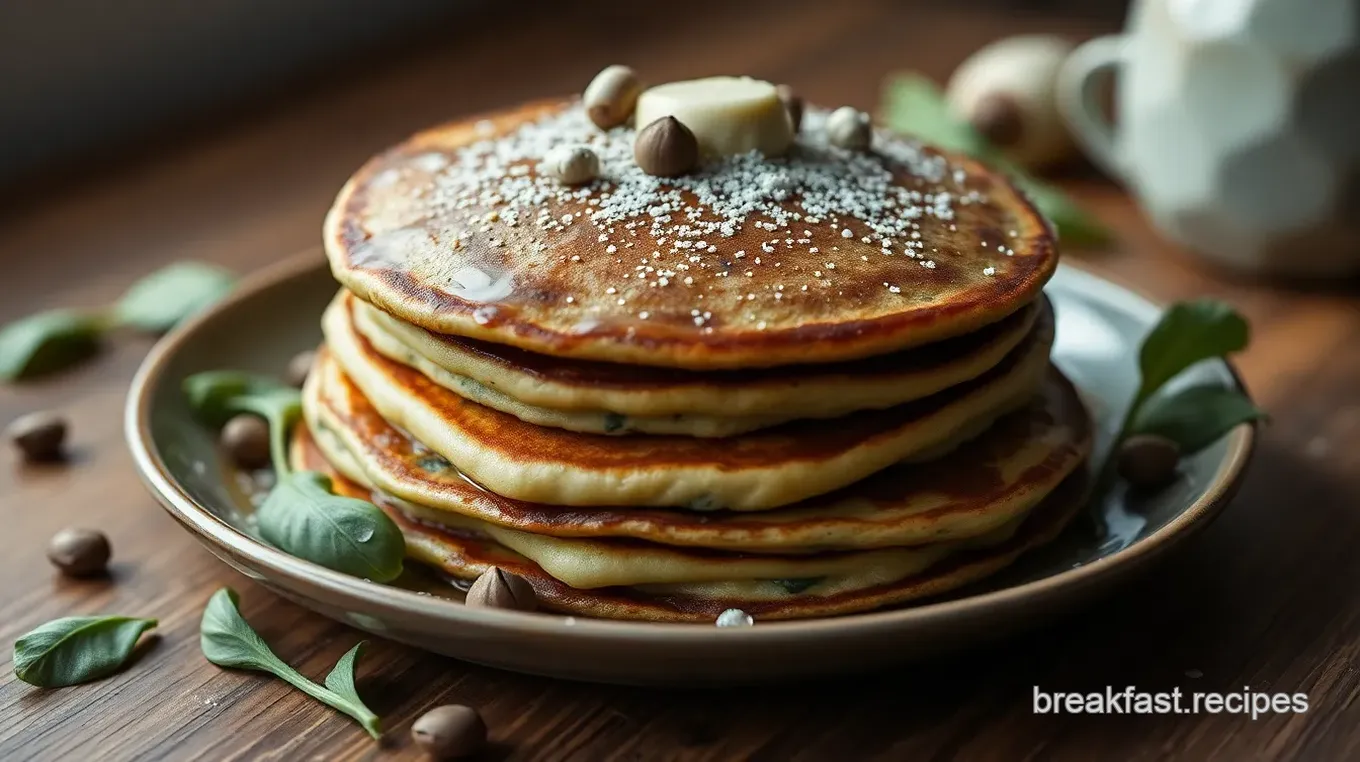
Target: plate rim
{"points": [[222, 536]]}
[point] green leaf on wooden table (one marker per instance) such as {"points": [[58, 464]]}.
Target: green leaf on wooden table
{"points": [[1187, 333], [47, 342], [303, 517], [1196, 416], [77, 649], [228, 641], [914, 105], [159, 301]]}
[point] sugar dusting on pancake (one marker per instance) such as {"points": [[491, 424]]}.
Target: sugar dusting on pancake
{"points": [[821, 255]]}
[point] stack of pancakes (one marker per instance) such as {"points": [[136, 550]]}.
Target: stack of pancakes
{"points": [[797, 387]]}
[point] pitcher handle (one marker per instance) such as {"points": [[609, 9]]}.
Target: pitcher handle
{"points": [[1078, 99]]}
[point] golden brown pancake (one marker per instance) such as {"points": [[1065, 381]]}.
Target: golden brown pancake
{"points": [[976, 488], [823, 255], [621, 394], [464, 555], [756, 471]]}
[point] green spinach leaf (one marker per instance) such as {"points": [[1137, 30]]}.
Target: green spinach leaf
{"points": [[47, 342], [1196, 416], [77, 649], [217, 395], [159, 301], [1188, 333], [302, 516], [228, 641]]}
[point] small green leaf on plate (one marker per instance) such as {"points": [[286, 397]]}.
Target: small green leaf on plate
{"points": [[77, 649], [228, 641], [159, 301], [1187, 333], [303, 517], [1196, 416], [47, 342]]}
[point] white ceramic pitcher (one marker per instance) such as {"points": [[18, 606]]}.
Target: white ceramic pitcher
{"points": [[1238, 126]]}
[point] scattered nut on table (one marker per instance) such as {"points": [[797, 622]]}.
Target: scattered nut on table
{"points": [[79, 552], [40, 436], [246, 440], [572, 164], [451, 731], [497, 588]]}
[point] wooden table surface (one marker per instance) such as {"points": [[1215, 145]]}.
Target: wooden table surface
{"points": [[1266, 598]]}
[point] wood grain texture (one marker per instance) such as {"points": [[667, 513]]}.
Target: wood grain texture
{"points": [[1265, 598]]}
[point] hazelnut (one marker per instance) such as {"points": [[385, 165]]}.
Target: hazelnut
{"points": [[451, 731], [572, 164], [666, 148], [246, 440], [610, 97], [79, 552], [996, 116], [499, 589], [849, 128], [1148, 461], [299, 367], [792, 104], [39, 435]]}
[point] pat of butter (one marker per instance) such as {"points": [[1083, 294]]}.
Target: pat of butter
{"points": [[728, 115]]}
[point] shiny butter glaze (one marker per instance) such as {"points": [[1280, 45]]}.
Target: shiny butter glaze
{"points": [[406, 234]]}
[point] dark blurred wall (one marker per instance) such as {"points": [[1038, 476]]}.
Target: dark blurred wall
{"points": [[74, 73]]}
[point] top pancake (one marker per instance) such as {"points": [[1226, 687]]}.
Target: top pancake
{"points": [[820, 256]]}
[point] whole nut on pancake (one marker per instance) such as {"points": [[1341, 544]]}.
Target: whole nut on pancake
{"points": [[39, 435], [1148, 461], [299, 367], [610, 97], [452, 731], [849, 128], [728, 115], [572, 164], [79, 552], [666, 148], [500, 589], [246, 440], [793, 104]]}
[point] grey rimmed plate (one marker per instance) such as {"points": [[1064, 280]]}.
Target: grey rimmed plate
{"points": [[276, 313]]}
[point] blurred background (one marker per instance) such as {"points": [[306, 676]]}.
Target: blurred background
{"points": [[85, 80]]}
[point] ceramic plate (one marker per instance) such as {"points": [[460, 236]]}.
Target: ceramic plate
{"points": [[275, 314]]}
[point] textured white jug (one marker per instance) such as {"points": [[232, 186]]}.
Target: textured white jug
{"points": [[1238, 126]]}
